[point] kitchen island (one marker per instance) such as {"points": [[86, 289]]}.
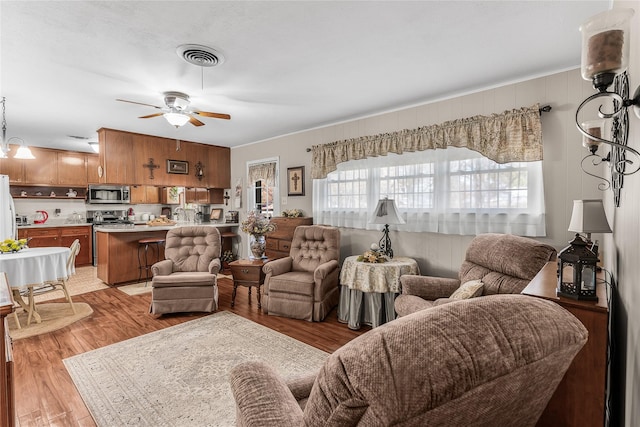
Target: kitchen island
{"points": [[118, 248]]}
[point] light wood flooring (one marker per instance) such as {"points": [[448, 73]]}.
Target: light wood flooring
{"points": [[45, 394]]}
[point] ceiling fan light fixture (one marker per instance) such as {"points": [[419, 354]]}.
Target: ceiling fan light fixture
{"points": [[176, 119]]}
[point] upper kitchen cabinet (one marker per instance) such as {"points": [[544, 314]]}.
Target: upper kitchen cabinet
{"points": [[116, 157], [43, 169], [72, 168], [198, 153], [93, 169], [13, 167], [220, 167]]}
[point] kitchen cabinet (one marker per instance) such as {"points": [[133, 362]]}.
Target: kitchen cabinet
{"points": [[12, 167], [197, 195], [93, 169], [219, 167], [144, 194], [61, 236], [116, 157], [170, 195], [43, 169], [279, 241], [71, 168], [198, 153]]}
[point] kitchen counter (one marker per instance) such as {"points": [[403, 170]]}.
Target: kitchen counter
{"points": [[120, 228], [117, 248], [53, 225]]}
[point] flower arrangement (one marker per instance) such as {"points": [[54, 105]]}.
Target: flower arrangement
{"points": [[257, 224], [373, 257], [292, 213], [227, 256], [11, 245]]}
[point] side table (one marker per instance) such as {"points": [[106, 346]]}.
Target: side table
{"points": [[247, 272], [367, 291]]}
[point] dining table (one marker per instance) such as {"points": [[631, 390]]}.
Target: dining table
{"points": [[31, 268]]}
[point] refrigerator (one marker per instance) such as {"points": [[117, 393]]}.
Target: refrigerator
{"points": [[8, 228]]}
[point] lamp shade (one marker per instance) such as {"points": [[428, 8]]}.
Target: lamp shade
{"points": [[588, 216], [24, 153], [386, 213], [176, 119]]}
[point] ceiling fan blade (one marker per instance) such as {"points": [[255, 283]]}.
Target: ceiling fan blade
{"points": [[139, 103], [195, 121], [214, 115], [151, 115]]}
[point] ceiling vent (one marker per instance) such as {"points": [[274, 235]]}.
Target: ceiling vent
{"points": [[200, 55]]}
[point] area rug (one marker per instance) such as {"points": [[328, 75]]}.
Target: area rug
{"points": [[85, 280], [179, 376], [54, 316]]}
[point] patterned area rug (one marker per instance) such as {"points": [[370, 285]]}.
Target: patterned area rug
{"points": [[179, 376]]}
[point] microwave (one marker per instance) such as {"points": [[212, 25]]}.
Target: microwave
{"points": [[108, 194]]}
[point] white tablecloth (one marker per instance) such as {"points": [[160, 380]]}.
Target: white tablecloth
{"points": [[367, 291], [34, 266]]}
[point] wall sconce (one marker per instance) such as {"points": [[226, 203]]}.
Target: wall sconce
{"points": [[226, 198], [386, 213], [605, 57], [199, 171]]}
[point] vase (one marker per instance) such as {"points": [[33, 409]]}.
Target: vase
{"points": [[257, 244]]}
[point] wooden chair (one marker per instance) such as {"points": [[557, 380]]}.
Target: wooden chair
{"points": [[60, 283]]}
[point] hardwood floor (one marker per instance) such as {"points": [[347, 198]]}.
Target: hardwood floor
{"points": [[45, 394]]}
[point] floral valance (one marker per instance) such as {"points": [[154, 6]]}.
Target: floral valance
{"points": [[513, 136], [263, 171]]}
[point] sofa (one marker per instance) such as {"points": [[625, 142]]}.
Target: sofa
{"points": [[492, 361], [504, 263]]}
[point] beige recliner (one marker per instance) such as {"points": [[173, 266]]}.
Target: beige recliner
{"points": [[304, 285], [503, 262], [186, 280], [492, 361]]}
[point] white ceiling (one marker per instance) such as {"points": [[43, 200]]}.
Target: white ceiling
{"points": [[289, 66]]}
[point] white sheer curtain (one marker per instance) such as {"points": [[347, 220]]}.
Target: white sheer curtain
{"points": [[450, 191]]}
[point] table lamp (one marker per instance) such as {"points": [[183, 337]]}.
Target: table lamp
{"points": [[386, 213], [588, 217]]}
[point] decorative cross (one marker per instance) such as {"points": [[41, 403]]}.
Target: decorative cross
{"points": [[151, 167]]}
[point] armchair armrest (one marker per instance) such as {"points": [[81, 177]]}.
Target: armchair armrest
{"points": [[325, 269], [278, 266], [427, 287], [301, 387], [215, 266], [262, 397], [162, 268]]}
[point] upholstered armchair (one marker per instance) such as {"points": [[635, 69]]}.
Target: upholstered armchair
{"points": [[186, 280], [493, 361], [304, 285], [503, 263]]}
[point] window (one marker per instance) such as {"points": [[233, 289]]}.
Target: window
{"points": [[453, 191]]}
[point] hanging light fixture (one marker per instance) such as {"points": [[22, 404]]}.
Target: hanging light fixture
{"points": [[23, 151]]}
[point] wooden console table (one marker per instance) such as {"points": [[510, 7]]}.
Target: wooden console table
{"points": [[580, 398]]}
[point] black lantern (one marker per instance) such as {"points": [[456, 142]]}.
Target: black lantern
{"points": [[577, 271]]}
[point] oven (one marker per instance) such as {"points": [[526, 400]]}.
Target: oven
{"points": [[106, 219]]}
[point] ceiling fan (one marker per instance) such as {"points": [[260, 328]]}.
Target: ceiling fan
{"points": [[177, 112]]}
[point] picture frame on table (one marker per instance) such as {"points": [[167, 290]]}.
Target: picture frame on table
{"points": [[178, 167], [295, 181]]}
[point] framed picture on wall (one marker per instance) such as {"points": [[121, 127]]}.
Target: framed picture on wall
{"points": [[178, 166], [295, 181]]}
